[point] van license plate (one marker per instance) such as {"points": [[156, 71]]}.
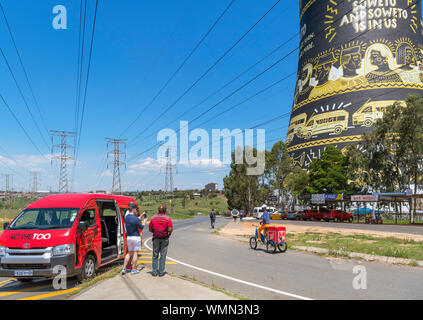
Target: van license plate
{"points": [[23, 273]]}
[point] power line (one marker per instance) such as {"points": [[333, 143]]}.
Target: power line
{"points": [[79, 133], [180, 66], [231, 81], [227, 97], [87, 78], [160, 54], [22, 96], [239, 76], [22, 127], [245, 84], [23, 67], [206, 72], [80, 61]]}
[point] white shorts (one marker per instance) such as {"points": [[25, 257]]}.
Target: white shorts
{"points": [[134, 243]]}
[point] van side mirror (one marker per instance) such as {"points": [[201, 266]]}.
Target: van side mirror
{"points": [[5, 225], [82, 226]]}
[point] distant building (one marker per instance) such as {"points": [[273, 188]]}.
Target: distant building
{"points": [[211, 187]]}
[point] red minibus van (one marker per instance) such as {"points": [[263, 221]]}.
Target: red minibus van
{"points": [[81, 232]]}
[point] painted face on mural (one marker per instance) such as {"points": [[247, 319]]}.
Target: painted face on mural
{"points": [[409, 56], [355, 61], [378, 60], [322, 73]]}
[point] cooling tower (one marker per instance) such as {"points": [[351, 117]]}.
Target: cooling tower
{"points": [[355, 59]]}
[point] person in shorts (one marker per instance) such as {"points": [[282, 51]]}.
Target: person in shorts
{"points": [[133, 226]]}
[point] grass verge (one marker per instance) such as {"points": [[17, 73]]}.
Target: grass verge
{"points": [[339, 244]]}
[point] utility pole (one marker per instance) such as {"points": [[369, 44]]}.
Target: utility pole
{"points": [[8, 181], [118, 154], [63, 156]]}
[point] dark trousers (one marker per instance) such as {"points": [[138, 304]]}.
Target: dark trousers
{"points": [[159, 248]]}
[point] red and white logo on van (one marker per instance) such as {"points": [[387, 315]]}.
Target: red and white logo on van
{"points": [[26, 245], [42, 236]]}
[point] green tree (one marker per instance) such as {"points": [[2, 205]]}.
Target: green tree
{"points": [[241, 188], [410, 145], [375, 161], [296, 181], [390, 157], [328, 174], [278, 167]]}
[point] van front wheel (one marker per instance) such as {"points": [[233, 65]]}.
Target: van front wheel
{"points": [[88, 268], [338, 130]]}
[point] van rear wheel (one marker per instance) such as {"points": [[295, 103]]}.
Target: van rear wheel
{"points": [[88, 268]]}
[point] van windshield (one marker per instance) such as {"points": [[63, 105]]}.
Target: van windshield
{"points": [[45, 218]]}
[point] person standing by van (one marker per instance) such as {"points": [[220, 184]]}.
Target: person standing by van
{"points": [[133, 225], [161, 227]]}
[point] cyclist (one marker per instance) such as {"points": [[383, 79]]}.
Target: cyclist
{"points": [[265, 222]]}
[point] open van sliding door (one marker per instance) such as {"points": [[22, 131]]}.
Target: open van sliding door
{"points": [[111, 229], [120, 243]]}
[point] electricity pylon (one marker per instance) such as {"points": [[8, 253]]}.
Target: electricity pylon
{"points": [[34, 182], [118, 154], [169, 188], [63, 157], [7, 183]]}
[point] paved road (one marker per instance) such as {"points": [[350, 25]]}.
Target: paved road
{"points": [[291, 275]]}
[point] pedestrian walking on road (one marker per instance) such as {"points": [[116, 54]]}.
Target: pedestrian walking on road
{"points": [[241, 215], [212, 218], [161, 227], [133, 226]]}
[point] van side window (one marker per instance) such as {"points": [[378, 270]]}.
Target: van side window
{"points": [[341, 118], [109, 212], [310, 123], [367, 109], [89, 217]]}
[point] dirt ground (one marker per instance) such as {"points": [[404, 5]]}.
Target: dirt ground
{"points": [[248, 228]]}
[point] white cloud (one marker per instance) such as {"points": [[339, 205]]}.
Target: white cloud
{"points": [[107, 173], [144, 166], [203, 163], [30, 160]]}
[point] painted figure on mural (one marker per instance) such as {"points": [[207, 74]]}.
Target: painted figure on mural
{"points": [[321, 74], [304, 85], [352, 73], [406, 58], [379, 63]]}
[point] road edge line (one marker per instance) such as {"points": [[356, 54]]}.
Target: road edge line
{"points": [[233, 279]]}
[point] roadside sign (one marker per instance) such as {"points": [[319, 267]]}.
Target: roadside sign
{"points": [[364, 198], [273, 199], [318, 198]]}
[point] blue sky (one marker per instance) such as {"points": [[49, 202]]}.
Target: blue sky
{"points": [[137, 47]]}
